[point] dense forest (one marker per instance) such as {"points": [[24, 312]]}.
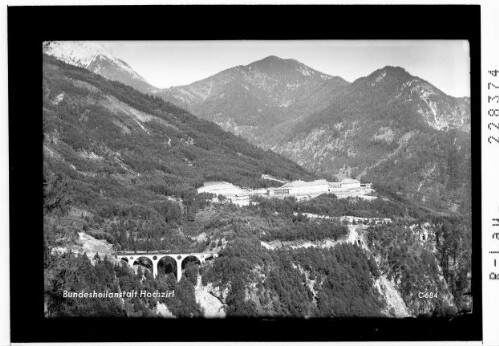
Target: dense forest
{"points": [[329, 205], [123, 168], [76, 274], [308, 281], [385, 128], [135, 159], [96, 129], [404, 257]]}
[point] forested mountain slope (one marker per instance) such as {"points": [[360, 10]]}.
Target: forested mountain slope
{"points": [[120, 151], [122, 167], [393, 129], [389, 126], [251, 100]]}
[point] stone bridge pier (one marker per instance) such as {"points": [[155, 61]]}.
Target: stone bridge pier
{"points": [[131, 257]]}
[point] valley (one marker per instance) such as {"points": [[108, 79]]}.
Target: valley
{"points": [[319, 197], [297, 189]]}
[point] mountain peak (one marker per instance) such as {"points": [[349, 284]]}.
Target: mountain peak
{"points": [[273, 58], [278, 66], [269, 60], [392, 71], [79, 53], [393, 76], [95, 57]]}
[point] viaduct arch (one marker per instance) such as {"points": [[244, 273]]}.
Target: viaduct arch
{"points": [[132, 257]]}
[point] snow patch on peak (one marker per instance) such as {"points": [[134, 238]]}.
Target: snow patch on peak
{"points": [[85, 54], [305, 71], [79, 53], [380, 77]]}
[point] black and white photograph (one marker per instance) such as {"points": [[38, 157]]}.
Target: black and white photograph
{"points": [[237, 178], [287, 183]]}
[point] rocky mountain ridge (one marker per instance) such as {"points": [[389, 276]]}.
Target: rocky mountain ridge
{"points": [[388, 124], [253, 99], [361, 129], [96, 58]]}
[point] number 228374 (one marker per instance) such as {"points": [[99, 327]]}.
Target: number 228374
{"points": [[493, 100]]}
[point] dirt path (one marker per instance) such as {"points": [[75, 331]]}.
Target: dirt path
{"points": [[355, 233]]}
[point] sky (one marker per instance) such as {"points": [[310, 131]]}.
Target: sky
{"points": [[444, 63]]}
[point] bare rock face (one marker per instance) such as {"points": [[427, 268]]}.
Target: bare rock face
{"points": [[388, 126], [93, 246], [94, 57], [248, 100], [395, 305], [163, 310], [210, 299]]}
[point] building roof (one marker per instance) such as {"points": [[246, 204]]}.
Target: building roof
{"points": [[297, 183], [350, 181]]}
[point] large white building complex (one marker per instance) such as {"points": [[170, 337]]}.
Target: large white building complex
{"points": [[310, 189], [298, 189]]}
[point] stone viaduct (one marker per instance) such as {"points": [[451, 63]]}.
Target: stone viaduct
{"points": [[155, 257]]}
